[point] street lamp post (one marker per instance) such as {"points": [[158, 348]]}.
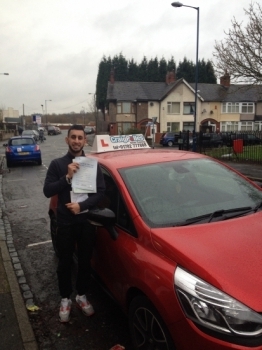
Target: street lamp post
{"points": [[84, 116], [42, 121], [179, 4], [46, 111], [96, 114]]}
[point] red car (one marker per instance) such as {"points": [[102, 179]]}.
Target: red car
{"points": [[186, 264]]}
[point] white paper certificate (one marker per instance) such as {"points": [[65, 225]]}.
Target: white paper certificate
{"points": [[77, 198], [84, 180]]}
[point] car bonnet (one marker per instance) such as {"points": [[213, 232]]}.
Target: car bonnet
{"points": [[226, 254]]}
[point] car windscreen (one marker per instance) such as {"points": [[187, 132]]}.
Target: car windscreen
{"points": [[172, 193]]}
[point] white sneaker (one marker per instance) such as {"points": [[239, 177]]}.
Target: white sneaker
{"points": [[65, 308], [83, 304]]}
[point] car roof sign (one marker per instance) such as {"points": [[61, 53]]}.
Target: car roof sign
{"points": [[109, 143]]}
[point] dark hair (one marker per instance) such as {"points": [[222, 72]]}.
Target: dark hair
{"points": [[75, 127]]}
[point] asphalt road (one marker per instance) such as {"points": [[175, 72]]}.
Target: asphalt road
{"points": [[27, 210]]}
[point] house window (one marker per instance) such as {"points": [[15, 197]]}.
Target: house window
{"points": [[124, 127], [125, 107], [258, 126], [237, 107], [229, 126], [247, 107], [173, 107], [189, 108], [188, 126], [246, 126], [173, 127]]}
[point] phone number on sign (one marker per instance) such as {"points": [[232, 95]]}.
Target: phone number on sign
{"points": [[134, 145]]}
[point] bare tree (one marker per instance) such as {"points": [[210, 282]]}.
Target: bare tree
{"points": [[240, 53]]}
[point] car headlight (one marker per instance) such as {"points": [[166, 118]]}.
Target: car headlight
{"points": [[211, 308]]}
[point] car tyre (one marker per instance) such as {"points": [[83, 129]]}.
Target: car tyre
{"points": [[53, 230], [170, 143], [39, 162], [147, 329]]}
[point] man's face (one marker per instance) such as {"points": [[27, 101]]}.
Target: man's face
{"points": [[76, 141]]}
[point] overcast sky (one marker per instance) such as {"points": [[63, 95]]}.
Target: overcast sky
{"points": [[52, 48]]}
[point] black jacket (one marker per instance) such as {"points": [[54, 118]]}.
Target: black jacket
{"points": [[56, 184]]}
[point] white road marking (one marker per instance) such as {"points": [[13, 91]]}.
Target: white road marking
{"points": [[33, 244], [16, 180]]}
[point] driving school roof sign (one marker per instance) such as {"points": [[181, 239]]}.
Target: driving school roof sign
{"points": [[107, 143]]}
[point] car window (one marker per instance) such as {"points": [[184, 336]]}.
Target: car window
{"points": [[167, 194], [113, 200], [20, 142]]}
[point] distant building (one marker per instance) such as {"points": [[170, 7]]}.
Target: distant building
{"points": [[11, 116]]}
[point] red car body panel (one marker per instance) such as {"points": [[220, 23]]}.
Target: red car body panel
{"points": [[220, 254]]}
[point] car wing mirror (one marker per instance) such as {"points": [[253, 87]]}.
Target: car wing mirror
{"points": [[103, 217]]}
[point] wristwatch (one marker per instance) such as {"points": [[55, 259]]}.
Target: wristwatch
{"points": [[68, 180]]}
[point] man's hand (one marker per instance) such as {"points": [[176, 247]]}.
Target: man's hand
{"points": [[73, 207], [72, 168]]}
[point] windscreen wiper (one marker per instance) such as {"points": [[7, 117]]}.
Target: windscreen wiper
{"points": [[224, 214], [259, 206]]}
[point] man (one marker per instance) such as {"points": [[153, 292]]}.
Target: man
{"points": [[73, 227], [41, 135]]}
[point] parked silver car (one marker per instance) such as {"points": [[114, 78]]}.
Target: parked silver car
{"points": [[32, 133]]}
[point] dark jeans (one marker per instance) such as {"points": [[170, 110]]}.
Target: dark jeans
{"points": [[69, 236]]}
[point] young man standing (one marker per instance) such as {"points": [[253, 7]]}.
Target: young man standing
{"points": [[73, 227]]}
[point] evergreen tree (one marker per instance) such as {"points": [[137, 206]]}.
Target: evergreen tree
{"points": [[152, 70], [162, 70], [171, 65], [104, 69], [210, 73], [132, 70], [186, 70], [120, 65], [142, 72]]}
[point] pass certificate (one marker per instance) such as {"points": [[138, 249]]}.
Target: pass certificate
{"points": [[84, 180]]}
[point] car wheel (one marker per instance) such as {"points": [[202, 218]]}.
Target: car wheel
{"points": [[53, 230], [39, 162], [147, 328], [170, 143]]}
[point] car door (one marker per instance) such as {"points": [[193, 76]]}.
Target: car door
{"points": [[114, 261]]}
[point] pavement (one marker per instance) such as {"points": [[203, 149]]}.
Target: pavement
{"points": [[16, 332]]}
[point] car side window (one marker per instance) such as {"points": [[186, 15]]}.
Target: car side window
{"points": [[113, 200]]}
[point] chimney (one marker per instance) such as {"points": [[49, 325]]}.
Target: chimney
{"points": [[112, 76], [170, 77], [167, 78], [225, 79]]}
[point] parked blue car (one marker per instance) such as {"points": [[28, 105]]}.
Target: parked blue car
{"points": [[22, 149], [169, 139]]}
